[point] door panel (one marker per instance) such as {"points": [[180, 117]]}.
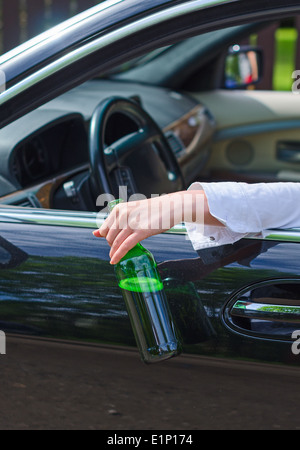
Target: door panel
{"points": [[249, 141], [70, 292], [71, 358], [259, 154]]}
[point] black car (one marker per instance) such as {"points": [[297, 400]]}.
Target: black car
{"points": [[158, 83]]}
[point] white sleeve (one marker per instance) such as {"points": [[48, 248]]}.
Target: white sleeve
{"points": [[245, 209]]}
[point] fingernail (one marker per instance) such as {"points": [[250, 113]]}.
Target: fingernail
{"points": [[112, 260]]}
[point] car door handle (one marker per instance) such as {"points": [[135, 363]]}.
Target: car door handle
{"points": [[266, 311], [288, 152]]}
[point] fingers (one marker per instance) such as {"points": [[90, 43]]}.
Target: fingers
{"points": [[124, 248], [121, 241], [127, 225], [118, 241], [110, 223], [116, 230]]}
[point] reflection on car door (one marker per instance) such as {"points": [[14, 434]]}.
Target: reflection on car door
{"points": [[71, 357]]}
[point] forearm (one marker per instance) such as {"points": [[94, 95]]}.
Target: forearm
{"points": [[194, 208]]}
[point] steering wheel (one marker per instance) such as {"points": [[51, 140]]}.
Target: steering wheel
{"points": [[127, 148]]}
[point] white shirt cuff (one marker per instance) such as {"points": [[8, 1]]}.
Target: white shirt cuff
{"points": [[228, 204]]}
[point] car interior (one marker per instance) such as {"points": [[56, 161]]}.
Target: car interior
{"points": [[183, 113]]}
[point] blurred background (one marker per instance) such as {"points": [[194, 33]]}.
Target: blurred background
{"points": [[24, 19]]}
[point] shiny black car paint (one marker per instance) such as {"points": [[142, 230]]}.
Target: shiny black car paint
{"points": [[70, 347], [69, 291]]}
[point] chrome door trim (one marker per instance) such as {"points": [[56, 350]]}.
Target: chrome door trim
{"points": [[93, 220], [110, 38], [11, 214]]}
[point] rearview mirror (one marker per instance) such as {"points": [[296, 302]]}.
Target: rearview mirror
{"points": [[243, 67]]}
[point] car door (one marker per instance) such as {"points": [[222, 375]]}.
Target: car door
{"points": [[259, 140], [71, 360]]}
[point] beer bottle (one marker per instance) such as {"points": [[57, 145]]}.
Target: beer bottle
{"points": [[150, 316]]}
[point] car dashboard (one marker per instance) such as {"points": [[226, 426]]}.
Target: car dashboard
{"points": [[41, 152]]}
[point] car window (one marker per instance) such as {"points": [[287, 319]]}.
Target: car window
{"points": [[45, 154]]}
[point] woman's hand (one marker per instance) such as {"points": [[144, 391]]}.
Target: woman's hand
{"points": [[130, 223]]}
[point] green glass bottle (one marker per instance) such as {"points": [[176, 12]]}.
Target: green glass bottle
{"points": [[147, 305]]}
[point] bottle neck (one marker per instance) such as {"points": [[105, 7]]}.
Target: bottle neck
{"points": [[136, 251]]}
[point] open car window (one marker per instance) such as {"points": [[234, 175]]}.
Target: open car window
{"points": [[46, 154]]}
